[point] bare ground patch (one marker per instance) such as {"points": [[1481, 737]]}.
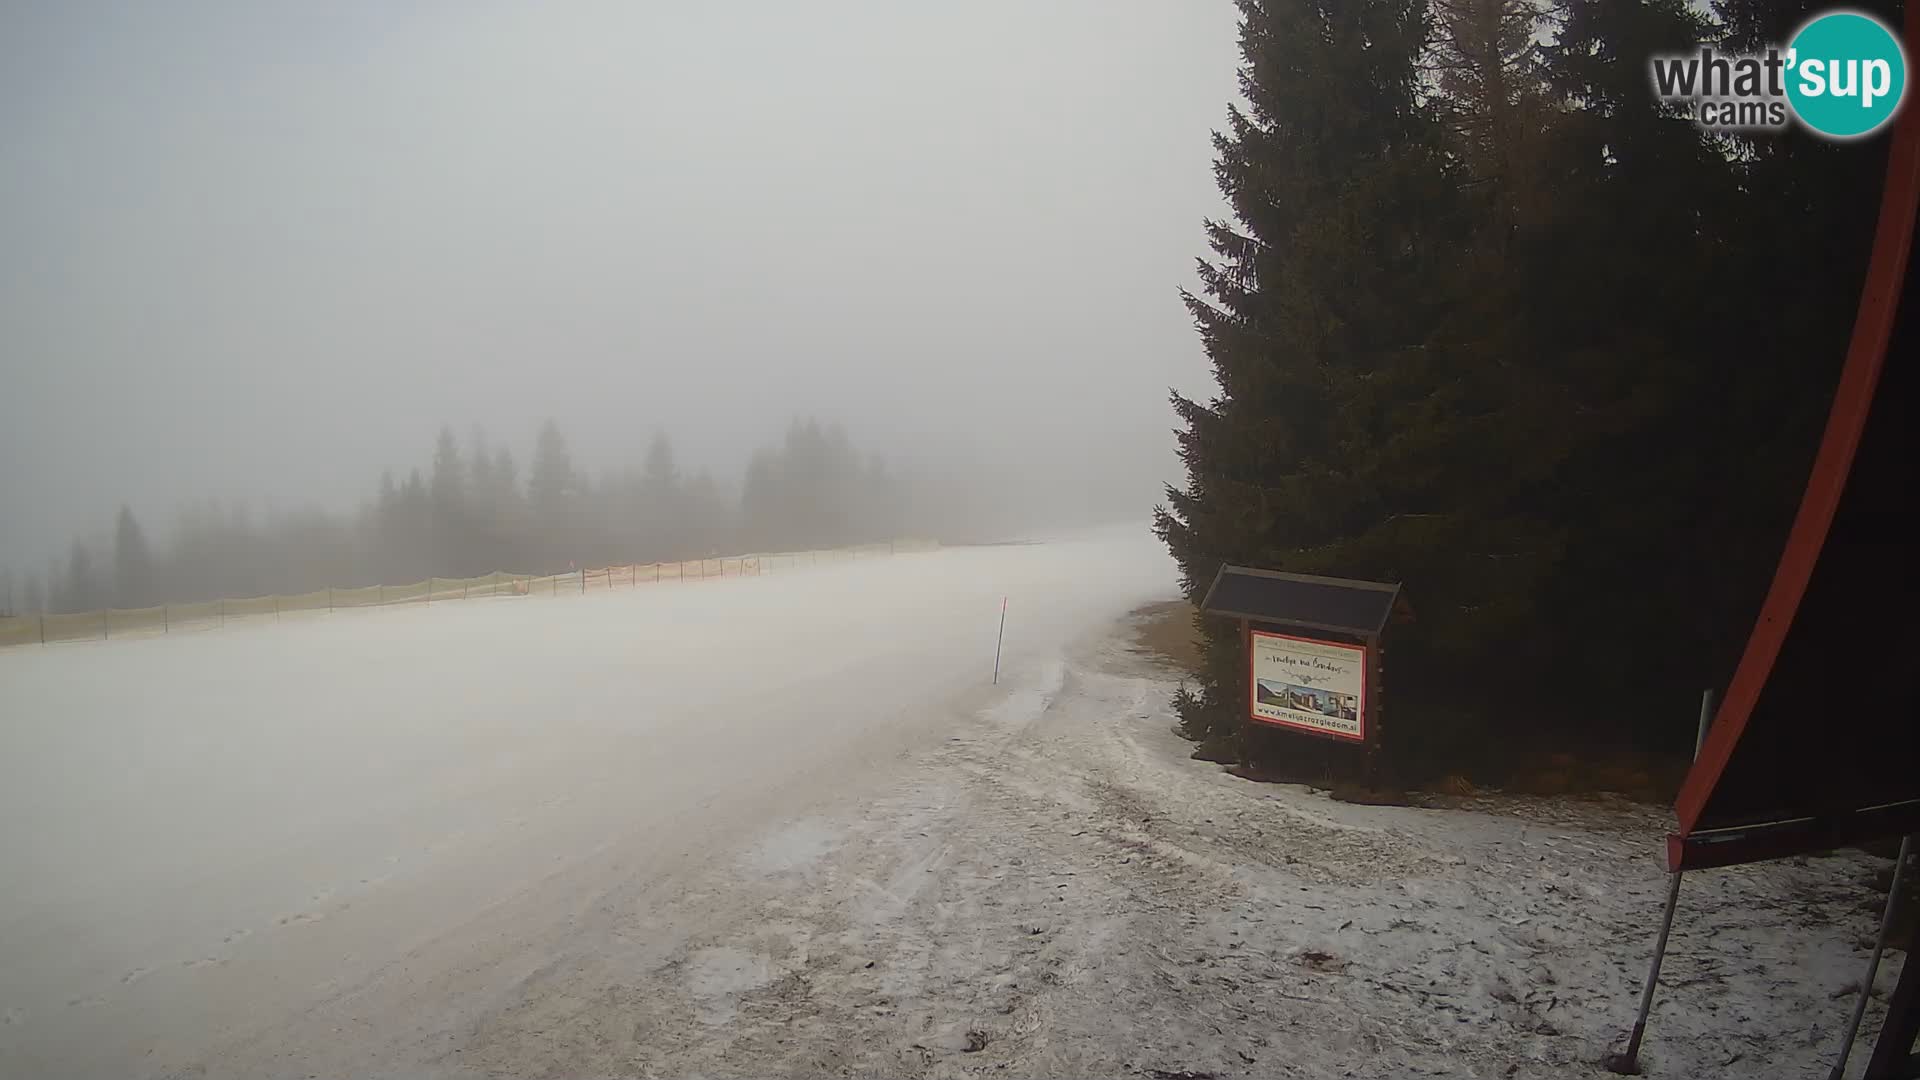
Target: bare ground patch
{"points": [[1164, 634]]}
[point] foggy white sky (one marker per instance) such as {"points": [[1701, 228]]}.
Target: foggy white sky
{"points": [[261, 250]]}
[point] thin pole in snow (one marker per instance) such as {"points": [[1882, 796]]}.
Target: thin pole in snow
{"points": [[1873, 964], [1002, 636], [1627, 1063]]}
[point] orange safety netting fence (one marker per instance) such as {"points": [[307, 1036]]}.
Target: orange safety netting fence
{"points": [[109, 623]]}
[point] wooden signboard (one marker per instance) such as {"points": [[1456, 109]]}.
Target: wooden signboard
{"points": [[1313, 644]]}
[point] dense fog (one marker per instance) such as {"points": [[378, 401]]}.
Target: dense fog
{"points": [[264, 264]]}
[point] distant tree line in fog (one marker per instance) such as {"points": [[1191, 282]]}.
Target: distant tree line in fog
{"points": [[471, 512]]}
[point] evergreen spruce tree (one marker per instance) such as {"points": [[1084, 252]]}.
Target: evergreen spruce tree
{"points": [[664, 530], [1638, 342], [132, 563], [1318, 313], [553, 487], [81, 589], [449, 527]]}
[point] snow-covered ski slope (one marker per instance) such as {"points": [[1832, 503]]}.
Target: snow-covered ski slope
{"points": [[203, 834], [786, 826]]}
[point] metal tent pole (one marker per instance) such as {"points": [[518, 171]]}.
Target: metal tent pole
{"points": [[1893, 1057], [1627, 1062], [1873, 964]]}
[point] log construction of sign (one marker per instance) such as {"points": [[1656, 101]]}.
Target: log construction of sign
{"points": [[1319, 686]]}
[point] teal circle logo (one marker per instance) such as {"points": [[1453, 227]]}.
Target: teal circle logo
{"points": [[1846, 74]]}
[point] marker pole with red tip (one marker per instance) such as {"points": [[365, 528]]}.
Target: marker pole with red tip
{"points": [[998, 639]]}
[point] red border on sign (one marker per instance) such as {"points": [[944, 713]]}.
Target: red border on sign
{"points": [[1253, 691]]}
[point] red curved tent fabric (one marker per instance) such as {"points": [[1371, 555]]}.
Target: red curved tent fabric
{"points": [[1814, 744]]}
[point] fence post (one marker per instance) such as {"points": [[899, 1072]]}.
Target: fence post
{"points": [[463, 589], [166, 624], [223, 611], [43, 628], [106, 623], [276, 607]]}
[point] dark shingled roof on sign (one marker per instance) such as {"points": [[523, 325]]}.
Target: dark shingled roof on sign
{"points": [[1352, 607]]}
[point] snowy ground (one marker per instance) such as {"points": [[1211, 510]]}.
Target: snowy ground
{"points": [[785, 826]]}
